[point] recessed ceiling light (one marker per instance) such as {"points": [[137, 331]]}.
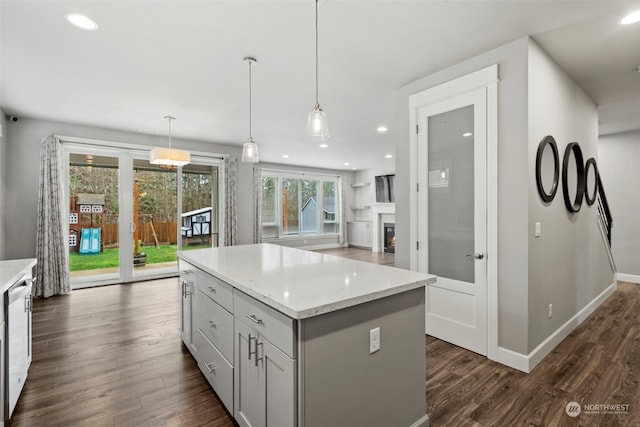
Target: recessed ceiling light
{"points": [[354, 168], [347, 163], [382, 129], [388, 156], [82, 21], [631, 18], [467, 134], [323, 145], [285, 156]]}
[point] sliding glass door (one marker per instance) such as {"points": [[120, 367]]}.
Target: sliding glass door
{"points": [[127, 218]]}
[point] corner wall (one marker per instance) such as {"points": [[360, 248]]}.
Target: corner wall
{"points": [[618, 164], [568, 263], [3, 168]]}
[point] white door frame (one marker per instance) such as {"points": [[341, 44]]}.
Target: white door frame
{"points": [[484, 78]]}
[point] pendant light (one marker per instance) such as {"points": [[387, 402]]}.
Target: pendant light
{"points": [[169, 157], [250, 148], [317, 125]]}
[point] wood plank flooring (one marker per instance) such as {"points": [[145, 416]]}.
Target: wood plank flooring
{"points": [[112, 356]]}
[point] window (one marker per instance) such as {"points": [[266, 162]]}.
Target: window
{"points": [[293, 205]]}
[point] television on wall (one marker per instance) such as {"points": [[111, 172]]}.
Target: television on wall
{"points": [[384, 188]]}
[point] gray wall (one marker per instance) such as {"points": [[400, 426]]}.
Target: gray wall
{"points": [[3, 180], [19, 201], [568, 265], [618, 164], [512, 186]]}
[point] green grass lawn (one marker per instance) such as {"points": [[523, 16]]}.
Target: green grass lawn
{"points": [[110, 257]]}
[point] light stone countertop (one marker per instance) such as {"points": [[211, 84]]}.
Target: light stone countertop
{"points": [[300, 283], [12, 270]]}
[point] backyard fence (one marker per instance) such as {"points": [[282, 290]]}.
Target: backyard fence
{"points": [[166, 233]]}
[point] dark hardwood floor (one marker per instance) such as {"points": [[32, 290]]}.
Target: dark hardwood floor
{"points": [[112, 356]]}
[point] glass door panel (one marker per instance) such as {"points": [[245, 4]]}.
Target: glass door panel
{"points": [[94, 240], [155, 208], [451, 195], [199, 224]]}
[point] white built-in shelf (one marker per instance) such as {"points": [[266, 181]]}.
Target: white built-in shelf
{"points": [[360, 184], [360, 207]]}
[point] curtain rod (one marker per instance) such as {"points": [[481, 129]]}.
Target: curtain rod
{"points": [[125, 145], [298, 172]]}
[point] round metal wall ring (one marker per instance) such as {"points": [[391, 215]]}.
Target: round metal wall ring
{"points": [[551, 142], [591, 163], [575, 205]]}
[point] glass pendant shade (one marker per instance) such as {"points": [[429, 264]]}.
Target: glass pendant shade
{"points": [[250, 152], [317, 124]]}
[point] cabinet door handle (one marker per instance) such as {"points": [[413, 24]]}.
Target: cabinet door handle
{"points": [[211, 323], [211, 367], [252, 352], [212, 289], [253, 318], [258, 358], [186, 291]]}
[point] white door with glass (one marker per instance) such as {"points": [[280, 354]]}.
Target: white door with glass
{"points": [[452, 217]]}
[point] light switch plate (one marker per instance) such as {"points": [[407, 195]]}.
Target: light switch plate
{"points": [[374, 340], [538, 230]]}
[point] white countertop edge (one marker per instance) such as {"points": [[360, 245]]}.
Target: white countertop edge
{"points": [[317, 310], [15, 269]]}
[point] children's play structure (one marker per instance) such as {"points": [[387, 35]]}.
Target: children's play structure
{"points": [[85, 223]]}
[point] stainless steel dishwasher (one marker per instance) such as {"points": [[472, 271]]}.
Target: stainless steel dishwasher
{"points": [[18, 339]]}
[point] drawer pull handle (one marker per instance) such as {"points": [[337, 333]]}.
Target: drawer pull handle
{"points": [[253, 318], [186, 290], [211, 367], [211, 323], [253, 352], [212, 289]]}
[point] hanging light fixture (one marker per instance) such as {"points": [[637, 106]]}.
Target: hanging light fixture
{"points": [[250, 148], [317, 125], [169, 157]]}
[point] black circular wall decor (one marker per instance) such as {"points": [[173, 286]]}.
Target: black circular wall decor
{"points": [[575, 205], [591, 164], [551, 142]]}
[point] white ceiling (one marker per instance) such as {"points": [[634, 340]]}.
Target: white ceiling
{"points": [[149, 59]]}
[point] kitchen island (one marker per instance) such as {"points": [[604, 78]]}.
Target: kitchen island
{"points": [[288, 337]]}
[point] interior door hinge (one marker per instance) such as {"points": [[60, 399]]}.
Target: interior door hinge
{"points": [[417, 245], [417, 186], [417, 128]]}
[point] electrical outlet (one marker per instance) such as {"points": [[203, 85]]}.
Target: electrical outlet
{"points": [[550, 311], [374, 340]]}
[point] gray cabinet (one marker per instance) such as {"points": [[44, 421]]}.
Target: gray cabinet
{"points": [[265, 377], [359, 234]]}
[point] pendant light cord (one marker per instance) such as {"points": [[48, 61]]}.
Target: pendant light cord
{"points": [[169, 118], [317, 103], [250, 136]]}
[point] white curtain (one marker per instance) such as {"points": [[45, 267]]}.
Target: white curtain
{"points": [[231, 214], [343, 216], [257, 205], [52, 253]]}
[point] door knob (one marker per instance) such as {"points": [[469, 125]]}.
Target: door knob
{"points": [[479, 255]]}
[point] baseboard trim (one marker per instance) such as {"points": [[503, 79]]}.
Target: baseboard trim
{"points": [[632, 278], [526, 363], [422, 422]]}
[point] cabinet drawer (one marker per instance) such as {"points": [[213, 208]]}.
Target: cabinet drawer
{"points": [[216, 370], [269, 323], [217, 325], [216, 289]]}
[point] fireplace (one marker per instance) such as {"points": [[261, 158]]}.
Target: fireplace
{"points": [[389, 234]]}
